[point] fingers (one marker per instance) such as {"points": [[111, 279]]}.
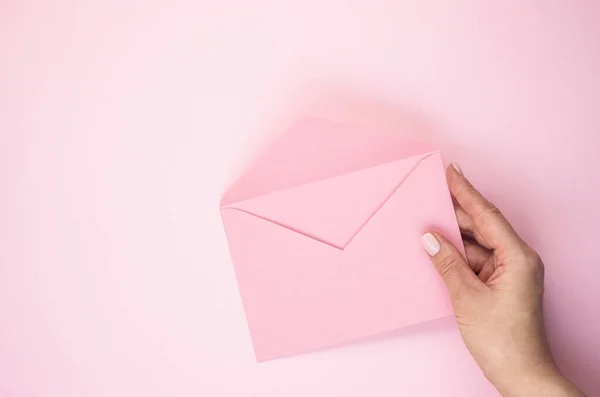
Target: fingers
{"points": [[450, 264], [492, 227], [465, 222], [480, 260], [477, 256]]}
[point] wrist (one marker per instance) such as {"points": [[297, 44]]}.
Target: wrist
{"points": [[541, 380]]}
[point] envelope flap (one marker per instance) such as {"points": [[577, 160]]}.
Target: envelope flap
{"points": [[315, 149], [335, 209], [390, 241]]}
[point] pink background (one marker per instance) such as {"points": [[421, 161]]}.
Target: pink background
{"points": [[122, 122]]}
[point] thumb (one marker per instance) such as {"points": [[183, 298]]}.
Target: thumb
{"points": [[450, 264]]}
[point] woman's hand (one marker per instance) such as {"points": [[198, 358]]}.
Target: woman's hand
{"points": [[497, 296]]}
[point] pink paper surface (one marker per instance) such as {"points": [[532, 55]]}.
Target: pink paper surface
{"points": [[122, 123], [338, 259]]}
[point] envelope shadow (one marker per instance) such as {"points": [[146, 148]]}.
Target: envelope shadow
{"points": [[335, 103], [362, 110]]}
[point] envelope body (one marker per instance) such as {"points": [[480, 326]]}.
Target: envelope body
{"points": [[324, 231]]}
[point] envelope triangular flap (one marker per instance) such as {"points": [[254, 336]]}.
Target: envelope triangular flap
{"points": [[315, 149], [332, 210]]}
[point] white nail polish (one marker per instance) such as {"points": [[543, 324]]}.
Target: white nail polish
{"points": [[431, 244], [457, 168]]}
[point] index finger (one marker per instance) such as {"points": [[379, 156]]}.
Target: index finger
{"points": [[491, 225]]}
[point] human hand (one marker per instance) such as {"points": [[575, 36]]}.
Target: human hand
{"points": [[497, 296]]}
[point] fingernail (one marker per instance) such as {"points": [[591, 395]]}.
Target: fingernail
{"points": [[457, 168], [431, 244]]}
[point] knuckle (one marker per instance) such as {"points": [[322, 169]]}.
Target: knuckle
{"points": [[527, 255], [486, 211], [447, 264], [531, 262], [532, 259], [490, 209], [488, 214]]}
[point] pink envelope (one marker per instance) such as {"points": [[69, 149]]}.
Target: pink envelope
{"points": [[324, 231]]}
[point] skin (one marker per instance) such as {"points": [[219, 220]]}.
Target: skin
{"points": [[497, 297]]}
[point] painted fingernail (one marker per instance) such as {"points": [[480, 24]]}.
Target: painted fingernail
{"points": [[431, 244], [457, 168]]}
